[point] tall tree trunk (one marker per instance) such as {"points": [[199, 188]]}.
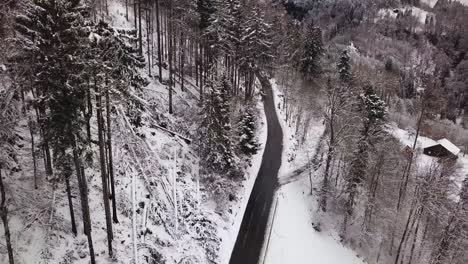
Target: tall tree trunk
{"points": [[182, 55], [33, 150], [4, 216], [135, 14], [407, 228], [140, 37], [70, 203], [111, 159], [407, 171], [102, 154], [170, 32], [324, 189], [126, 10], [200, 67], [89, 110], [83, 186], [158, 30], [148, 40]]}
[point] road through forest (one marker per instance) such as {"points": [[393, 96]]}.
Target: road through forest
{"points": [[250, 239]]}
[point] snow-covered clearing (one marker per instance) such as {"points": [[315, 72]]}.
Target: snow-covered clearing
{"points": [[416, 12], [430, 3], [423, 161], [291, 237]]}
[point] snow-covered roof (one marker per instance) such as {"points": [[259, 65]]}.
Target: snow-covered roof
{"points": [[447, 145]]}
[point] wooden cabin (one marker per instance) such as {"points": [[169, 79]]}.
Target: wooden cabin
{"points": [[442, 149]]}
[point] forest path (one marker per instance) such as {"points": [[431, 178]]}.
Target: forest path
{"points": [[251, 235]]}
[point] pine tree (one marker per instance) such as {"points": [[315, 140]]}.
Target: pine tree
{"points": [[205, 8], [372, 111], [216, 145], [218, 32], [55, 44], [55, 47], [9, 115], [344, 67], [247, 133], [312, 52]]}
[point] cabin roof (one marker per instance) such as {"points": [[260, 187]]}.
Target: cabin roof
{"points": [[447, 145]]}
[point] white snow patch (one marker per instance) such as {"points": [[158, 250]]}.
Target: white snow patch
{"points": [[293, 238], [430, 3]]}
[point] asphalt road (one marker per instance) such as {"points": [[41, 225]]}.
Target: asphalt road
{"points": [[252, 232]]}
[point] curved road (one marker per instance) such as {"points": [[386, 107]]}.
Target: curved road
{"points": [[251, 235]]}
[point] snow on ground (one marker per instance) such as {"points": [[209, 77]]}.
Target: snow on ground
{"points": [[417, 12], [291, 238], [430, 3], [230, 231]]}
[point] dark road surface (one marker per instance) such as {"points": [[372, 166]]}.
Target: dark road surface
{"points": [[251, 235]]}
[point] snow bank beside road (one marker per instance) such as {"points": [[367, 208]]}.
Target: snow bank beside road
{"points": [[230, 231]]}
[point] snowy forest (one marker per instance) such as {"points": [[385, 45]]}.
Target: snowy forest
{"points": [[234, 131]]}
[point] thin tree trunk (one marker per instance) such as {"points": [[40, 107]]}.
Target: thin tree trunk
{"points": [[70, 204], [4, 216], [89, 111], [80, 174], [126, 10], [158, 30], [170, 57], [102, 154], [406, 230], [111, 159], [148, 43], [33, 151], [324, 189], [140, 37], [182, 55]]}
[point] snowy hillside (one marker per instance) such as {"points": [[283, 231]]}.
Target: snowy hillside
{"points": [[166, 213]]}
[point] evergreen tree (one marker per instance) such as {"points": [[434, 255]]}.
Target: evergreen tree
{"points": [[312, 52], [216, 145], [372, 111], [247, 127], [344, 67], [205, 8], [54, 46], [256, 40], [218, 32]]}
